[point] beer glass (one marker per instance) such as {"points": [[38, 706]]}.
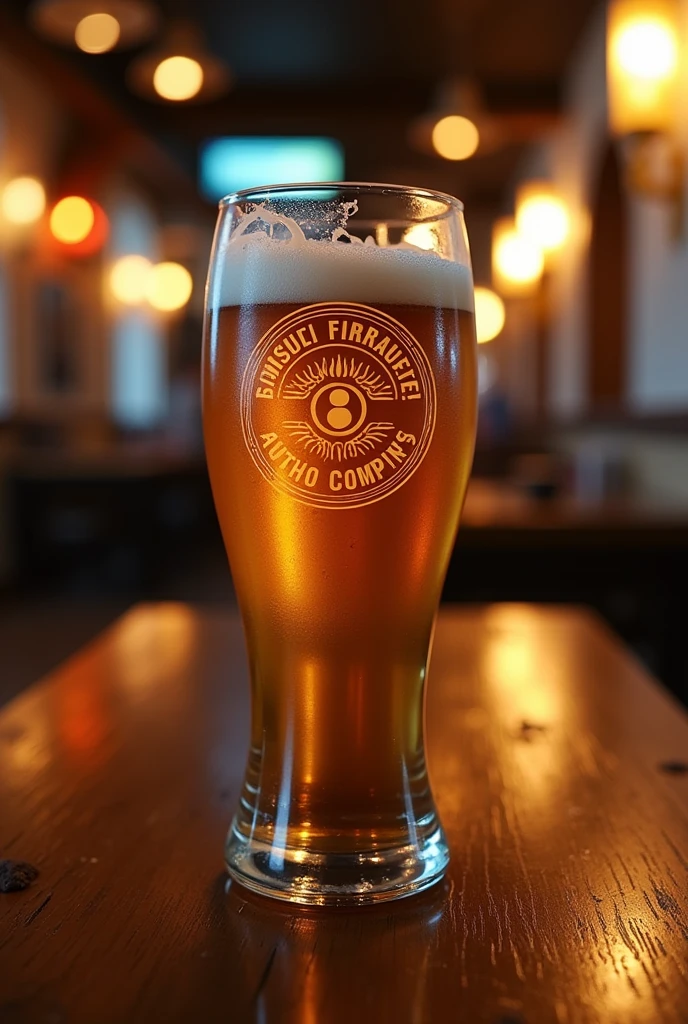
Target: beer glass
{"points": [[339, 406]]}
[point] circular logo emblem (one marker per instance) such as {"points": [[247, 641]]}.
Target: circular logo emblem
{"points": [[338, 405]]}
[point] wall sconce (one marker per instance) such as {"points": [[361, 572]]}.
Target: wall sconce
{"points": [[457, 125], [517, 263], [542, 216], [643, 63]]}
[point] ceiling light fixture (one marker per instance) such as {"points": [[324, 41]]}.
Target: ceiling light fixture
{"points": [[95, 26], [455, 137], [457, 125], [180, 70], [178, 78], [97, 33]]}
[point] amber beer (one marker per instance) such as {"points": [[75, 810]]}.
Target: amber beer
{"points": [[339, 437]]}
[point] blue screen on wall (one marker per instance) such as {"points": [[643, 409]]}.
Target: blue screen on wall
{"points": [[233, 163]]}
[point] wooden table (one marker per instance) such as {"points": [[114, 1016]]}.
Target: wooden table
{"points": [[626, 557], [556, 763]]}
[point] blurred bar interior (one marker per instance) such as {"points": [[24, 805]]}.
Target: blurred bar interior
{"points": [[563, 128]]}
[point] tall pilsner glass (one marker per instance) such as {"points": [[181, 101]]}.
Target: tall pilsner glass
{"points": [[339, 403]]}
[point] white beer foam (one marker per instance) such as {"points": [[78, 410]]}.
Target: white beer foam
{"points": [[256, 269]]}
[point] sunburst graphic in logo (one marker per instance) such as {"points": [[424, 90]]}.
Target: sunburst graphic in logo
{"points": [[339, 390], [365, 376], [367, 440]]}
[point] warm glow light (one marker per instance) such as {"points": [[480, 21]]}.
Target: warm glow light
{"points": [[129, 279], [23, 200], [97, 33], [643, 61], [72, 220], [169, 286], [516, 263], [541, 216], [422, 236], [178, 78], [647, 48], [489, 314], [455, 137]]}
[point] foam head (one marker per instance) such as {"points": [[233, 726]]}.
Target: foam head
{"points": [[255, 268]]}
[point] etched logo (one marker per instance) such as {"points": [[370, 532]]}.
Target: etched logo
{"points": [[338, 405]]}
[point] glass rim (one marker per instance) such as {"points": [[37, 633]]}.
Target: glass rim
{"points": [[371, 188]]}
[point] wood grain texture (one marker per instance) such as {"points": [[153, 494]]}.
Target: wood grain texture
{"points": [[566, 899]]}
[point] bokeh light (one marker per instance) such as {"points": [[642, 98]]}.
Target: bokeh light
{"points": [[489, 314], [541, 216], [23, 200], [455, 137], [643, 62], [97, 33], [72, 220], [178, 78], [168, 286], [517, 264], [129, 279], [647, 48]]}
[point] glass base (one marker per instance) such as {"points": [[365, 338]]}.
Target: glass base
{"points": [[342, 879]]}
